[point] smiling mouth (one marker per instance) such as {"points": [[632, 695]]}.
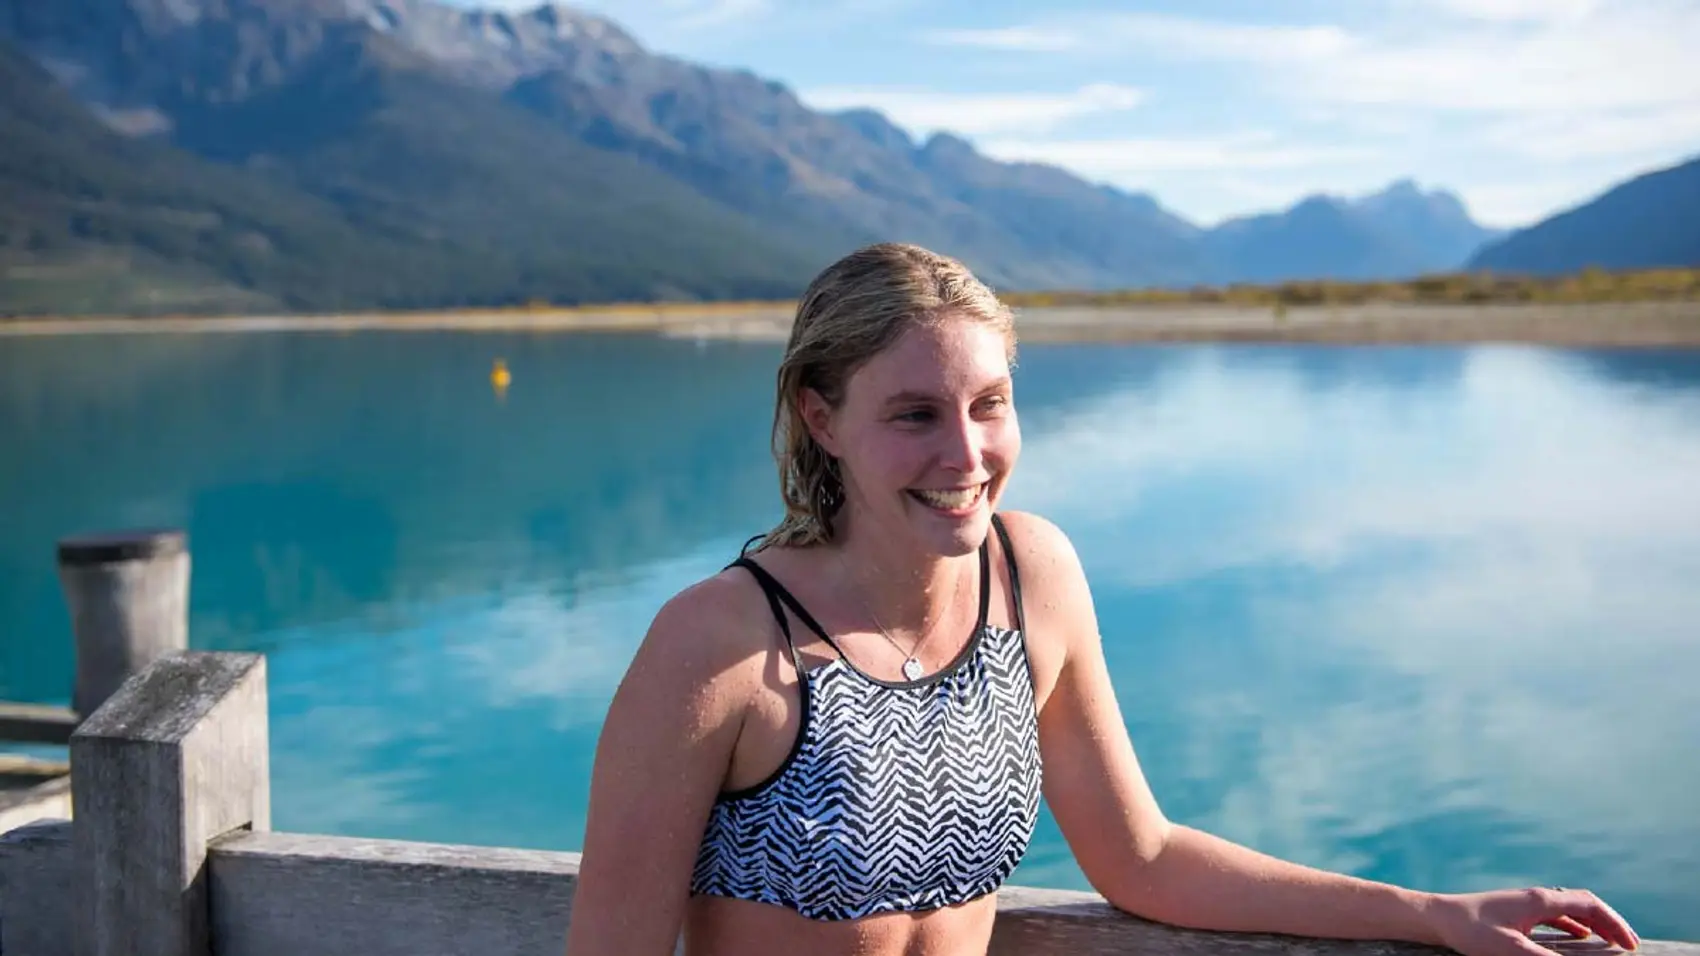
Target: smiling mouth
{"points": [[950, 500]]}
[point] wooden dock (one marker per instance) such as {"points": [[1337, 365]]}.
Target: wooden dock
{"points": [[171, 851], [36, 724], [31, 789], [127, 594]]}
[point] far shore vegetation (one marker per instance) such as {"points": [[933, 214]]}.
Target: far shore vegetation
{"points": [[1459, 288], [1591, 286], [1463, 288]]}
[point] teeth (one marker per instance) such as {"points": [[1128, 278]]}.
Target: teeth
{"points": [[951, 500]]}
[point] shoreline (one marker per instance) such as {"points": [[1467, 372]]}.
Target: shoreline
{"points": [[1671, 324]]}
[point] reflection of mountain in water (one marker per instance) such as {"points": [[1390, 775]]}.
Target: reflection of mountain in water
{"points": [[321, 474], [1059, 377], [1655, 369], [1322, 574], [1320, 604]]}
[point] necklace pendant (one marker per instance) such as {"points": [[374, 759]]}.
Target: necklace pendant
{"points": [[912, 669]]}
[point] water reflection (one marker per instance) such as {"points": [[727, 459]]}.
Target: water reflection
{"points": [[1444, 636], [327, 478], [1425, 615]]}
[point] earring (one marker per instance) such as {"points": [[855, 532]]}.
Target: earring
{"points": [[831, 494], [831, 487]]}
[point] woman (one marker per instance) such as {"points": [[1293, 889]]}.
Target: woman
{"points": [[838, 743]]}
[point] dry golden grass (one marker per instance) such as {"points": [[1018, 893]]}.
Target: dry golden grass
{"points": [[1588, 286], [1648, 308]]}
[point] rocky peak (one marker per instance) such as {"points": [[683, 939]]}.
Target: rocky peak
{"points": [[874, 127], [497, 48]]}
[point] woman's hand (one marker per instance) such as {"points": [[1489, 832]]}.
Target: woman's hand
{"points": [[1498, 923]]}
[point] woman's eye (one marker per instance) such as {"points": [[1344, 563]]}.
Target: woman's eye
{"points": [[918, 416]]}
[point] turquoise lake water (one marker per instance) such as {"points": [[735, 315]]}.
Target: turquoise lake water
{"points": [[1420, 614]]}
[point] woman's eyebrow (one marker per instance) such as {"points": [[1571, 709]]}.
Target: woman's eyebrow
{"points": [[910, 396]]}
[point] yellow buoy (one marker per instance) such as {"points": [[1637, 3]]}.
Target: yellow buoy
{"points": [[499, 377]]}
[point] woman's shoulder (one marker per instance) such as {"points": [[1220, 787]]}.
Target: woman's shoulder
{"points": [[1041, 549], [716, 630], [1054, 590]]}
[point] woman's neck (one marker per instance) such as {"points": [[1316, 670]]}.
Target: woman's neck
{"points": [[907, 591]]}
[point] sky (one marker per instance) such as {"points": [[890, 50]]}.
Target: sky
{"points": [[1221, 108]]}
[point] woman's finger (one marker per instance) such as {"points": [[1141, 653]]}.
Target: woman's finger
{"points": [[1568, 925], [1592, 912]]}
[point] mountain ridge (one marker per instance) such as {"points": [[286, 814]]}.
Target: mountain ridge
{"points": [[571, 164], [487, 210], [1648, 221], [1397, 231]]}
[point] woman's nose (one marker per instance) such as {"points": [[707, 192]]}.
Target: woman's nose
{"points": [[964, 442]]}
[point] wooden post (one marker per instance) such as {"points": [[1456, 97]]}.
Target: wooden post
{"points": [[128, 594], [37, 887], [175, 758]]}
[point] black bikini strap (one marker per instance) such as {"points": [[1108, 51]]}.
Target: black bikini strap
{"points": [[777, 593], [1014, 576], [985, 585], [762, 579]]}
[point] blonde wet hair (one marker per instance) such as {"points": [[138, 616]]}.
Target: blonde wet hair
{"points": [[855, 309]]}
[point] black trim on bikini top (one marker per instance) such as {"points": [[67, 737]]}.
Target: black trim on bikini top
{"points": [[1014, 575], [777, 592]]}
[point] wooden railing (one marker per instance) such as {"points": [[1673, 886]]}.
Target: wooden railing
{"points": [[171, 853], [128, 597]]}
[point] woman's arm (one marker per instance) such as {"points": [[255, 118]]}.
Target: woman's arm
{"points": [[1144, 864], [1206, 882], [662, 756]]}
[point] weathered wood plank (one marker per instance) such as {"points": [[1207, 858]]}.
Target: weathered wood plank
{"points": [[1057, 921], [36, 723], [37, 875], [176, 757], [31, 790], [316, 896], [1033, 921], [328, 896], [19, 769]]}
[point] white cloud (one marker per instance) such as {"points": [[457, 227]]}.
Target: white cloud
{"points": [[1512, 103], [924, 111], [1511, 202], [1181, 37], [1509, 547], [1021, 39], [570, 653], [1557, 55], [1521, 106], [1220, 39], [1121, 157], [709, 13], [1639, 60], [1651, 134], [1516, 451], [1516, 11]]}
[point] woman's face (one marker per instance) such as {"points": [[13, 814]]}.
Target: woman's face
{"points": [[926, 436]]}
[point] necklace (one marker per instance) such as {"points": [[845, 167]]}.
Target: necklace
{"points": [[912, 667]]}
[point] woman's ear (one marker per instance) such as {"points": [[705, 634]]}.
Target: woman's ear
{"points": [[817, 416]]}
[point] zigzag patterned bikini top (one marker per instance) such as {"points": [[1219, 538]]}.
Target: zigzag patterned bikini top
{"points": [[897, 795]]}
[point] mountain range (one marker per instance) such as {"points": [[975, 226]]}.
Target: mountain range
{"points": [[241, 155], [1651, 221]]}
